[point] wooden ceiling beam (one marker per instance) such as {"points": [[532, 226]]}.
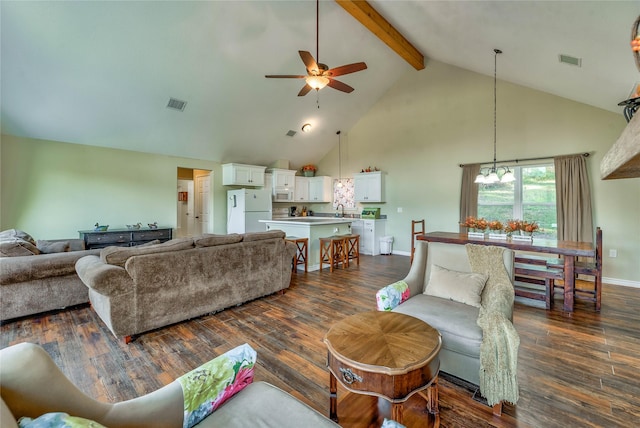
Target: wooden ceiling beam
{"points": [[378, 25]]}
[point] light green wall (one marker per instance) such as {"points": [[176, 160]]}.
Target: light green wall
{"points": [[435, 119], [52, 189]]}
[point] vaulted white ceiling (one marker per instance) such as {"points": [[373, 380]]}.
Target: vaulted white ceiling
{"points": [[101, 72]]}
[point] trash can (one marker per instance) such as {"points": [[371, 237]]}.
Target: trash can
{"points": [[386, 245]]}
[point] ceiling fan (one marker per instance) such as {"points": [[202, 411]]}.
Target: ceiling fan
{"points": [[320, 75]]}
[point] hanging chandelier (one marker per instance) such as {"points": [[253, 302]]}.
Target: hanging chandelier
{"points": [[491, 174]]}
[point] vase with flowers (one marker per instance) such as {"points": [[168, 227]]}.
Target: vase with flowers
{"points": [[475, 226], [522, 230], [496, 230], [308, 170]]}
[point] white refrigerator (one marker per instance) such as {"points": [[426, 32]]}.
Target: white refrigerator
{"points": [[245, 207]]}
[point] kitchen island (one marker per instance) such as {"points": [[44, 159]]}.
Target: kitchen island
{"points": [[312, 228]]}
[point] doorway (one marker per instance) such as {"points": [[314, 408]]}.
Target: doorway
{"points": [[194, 207]]}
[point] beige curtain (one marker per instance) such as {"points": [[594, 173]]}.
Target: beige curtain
{"points": [[469, 193], [573, 199]]}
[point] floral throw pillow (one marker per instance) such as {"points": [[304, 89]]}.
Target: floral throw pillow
{"points": [[210, 385], [392, 295], [57, 420]]}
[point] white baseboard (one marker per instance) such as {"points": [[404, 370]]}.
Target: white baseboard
{"points": [[623, 282], [401, 253]]}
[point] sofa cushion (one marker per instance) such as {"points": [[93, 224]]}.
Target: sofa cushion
{"points": [[457, 286], [119, 255], [210, 240], [392, 295], [15, 233], [262, 405], [206, 388], [259, 236], [50, 247], [456, 322], [15, 247], [57, 420]]}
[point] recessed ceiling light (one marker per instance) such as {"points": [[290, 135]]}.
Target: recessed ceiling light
{"points": [[571, 60], [306, 127]]}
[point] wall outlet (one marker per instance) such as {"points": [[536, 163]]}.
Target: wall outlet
{"points": [[613, 253], [399, 209]]}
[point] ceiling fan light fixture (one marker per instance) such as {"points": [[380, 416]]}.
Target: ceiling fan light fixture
{"points": [[317, 82]]}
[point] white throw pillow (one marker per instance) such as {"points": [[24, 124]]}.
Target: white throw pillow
{"points": [[460, 287]]}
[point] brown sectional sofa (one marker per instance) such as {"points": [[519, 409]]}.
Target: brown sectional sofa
{"points": [[39, 276], [138, 289]]}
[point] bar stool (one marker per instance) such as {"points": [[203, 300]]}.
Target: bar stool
{"points": [[333, 250], [353, 248], [301, 256]]}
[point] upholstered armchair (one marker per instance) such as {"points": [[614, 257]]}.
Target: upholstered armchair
{"points": [[33, 387], [465, 292]]}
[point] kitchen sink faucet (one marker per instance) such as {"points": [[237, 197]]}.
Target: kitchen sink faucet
{"points": [[341, 206]]}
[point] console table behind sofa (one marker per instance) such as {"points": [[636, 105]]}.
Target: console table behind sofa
{"points": [[123, 237], [569, 249]]}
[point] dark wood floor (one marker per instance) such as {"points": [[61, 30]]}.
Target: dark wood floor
{"points": [[575, 370]]}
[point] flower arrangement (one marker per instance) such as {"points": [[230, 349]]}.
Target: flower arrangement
{"points": [[309, 167], [473, 223], [510, 227], [522, 226], [496, 225]]}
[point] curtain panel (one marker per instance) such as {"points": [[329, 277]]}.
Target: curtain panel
{"points": [[469, 193], [573, 199]]}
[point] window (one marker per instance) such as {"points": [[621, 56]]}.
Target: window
{"points": [[531, 197]]}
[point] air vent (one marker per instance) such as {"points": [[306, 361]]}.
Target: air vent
{"points": [[176, 104], [571, 60], [291, 133]]}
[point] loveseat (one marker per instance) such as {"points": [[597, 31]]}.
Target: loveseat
{"points": [[137, 289], [32, 385], [466, 293], [39, 276]]}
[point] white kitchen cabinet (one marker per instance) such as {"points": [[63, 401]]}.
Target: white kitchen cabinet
{"points": [[313, 189], [242, 175], [301, 193], [283, 178], [320, 189], [369, 186], [370, 232]]}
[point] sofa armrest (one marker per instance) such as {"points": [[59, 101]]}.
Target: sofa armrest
{"points": [[103, 278]]}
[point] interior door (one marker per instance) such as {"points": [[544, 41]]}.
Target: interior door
{"points": [[202, 202]]}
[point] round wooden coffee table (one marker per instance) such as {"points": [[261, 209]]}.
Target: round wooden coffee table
{"points": [[385, 354]]}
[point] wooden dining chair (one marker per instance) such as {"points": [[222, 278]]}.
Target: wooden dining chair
{"points": [[417, 228], [589, 268]]}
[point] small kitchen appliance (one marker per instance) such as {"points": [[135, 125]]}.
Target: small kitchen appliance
{"points": [[370, 213]]}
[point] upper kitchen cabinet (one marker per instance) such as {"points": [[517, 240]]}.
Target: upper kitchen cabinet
{"points": [[242, 175], [313, 189], [320, 189], [302, 189], [369, 186], [283, 178]]}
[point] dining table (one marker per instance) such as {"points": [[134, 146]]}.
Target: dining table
{"points": [[570, 250]]}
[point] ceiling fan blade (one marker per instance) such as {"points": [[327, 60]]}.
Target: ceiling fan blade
{"points": [[285, 76], [304, 91], [346, 69], [309, 62], [335, 84]]}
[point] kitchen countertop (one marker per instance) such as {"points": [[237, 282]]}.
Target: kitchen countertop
{"points": [[309, 220]]}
